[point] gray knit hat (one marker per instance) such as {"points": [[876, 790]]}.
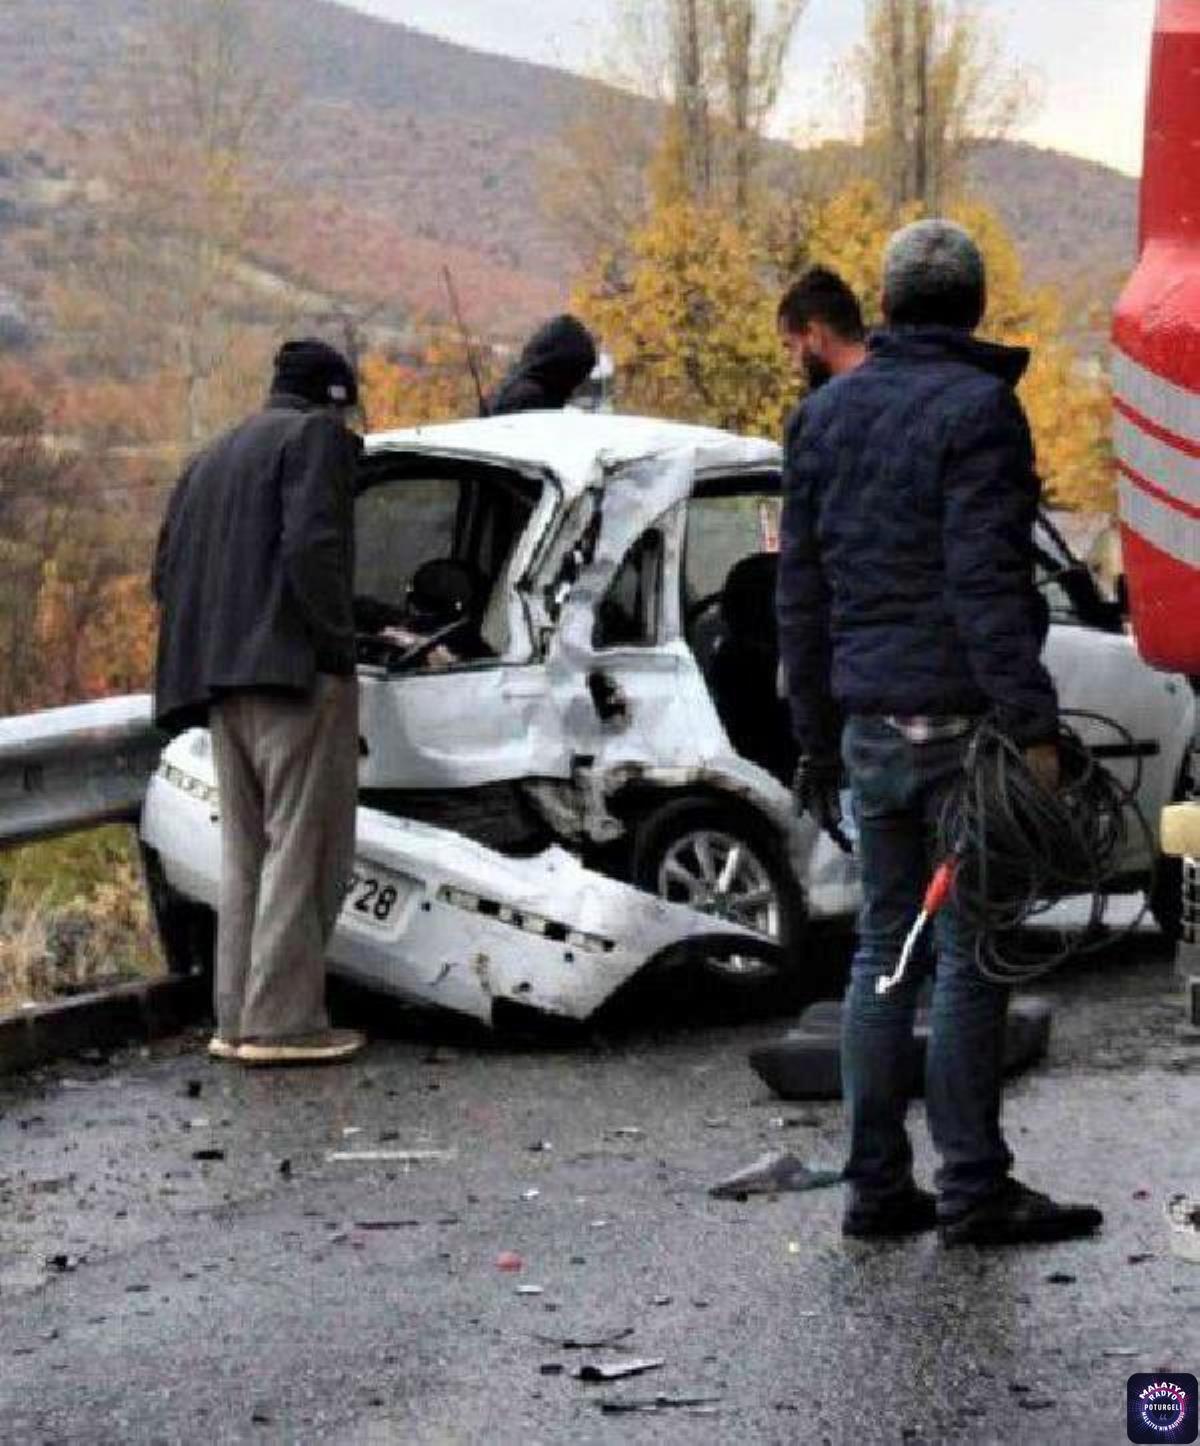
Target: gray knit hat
{"points": [[933, 275]]}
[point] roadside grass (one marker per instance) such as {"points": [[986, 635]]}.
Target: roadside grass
{"points": [[73, 916]]}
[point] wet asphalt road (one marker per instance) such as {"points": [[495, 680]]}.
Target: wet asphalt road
{"points": [[242, 1299]]}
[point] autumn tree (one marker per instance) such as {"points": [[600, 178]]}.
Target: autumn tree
{"points": [[435, 385], [932, 81], [690, 319], [160, 284], [696, 84]]}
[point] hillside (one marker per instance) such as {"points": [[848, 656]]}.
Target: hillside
{"points": [[409, 151]]}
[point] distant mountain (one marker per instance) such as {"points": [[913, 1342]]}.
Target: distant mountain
{"points": [[409, 150]]}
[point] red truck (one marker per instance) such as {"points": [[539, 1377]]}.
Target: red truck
{"points": [[1156, 423]]}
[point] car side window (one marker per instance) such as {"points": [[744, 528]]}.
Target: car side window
{"points": [[721, 530], [398, 526], [628, 614]]}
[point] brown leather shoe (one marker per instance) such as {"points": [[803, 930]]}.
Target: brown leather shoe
{"points": [[325, 1046]]}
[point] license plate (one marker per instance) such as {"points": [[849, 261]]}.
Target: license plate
{"points": [[374, 897]]}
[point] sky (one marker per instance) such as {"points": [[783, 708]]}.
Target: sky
{"points": [[1087, 57]]}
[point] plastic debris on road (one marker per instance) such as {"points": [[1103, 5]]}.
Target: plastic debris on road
{"points": [[693, 1405], [391, 1157], [1183, 1217], [598, 1371], [774, 1173]]}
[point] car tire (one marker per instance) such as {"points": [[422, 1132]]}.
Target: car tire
{"points": [[187, 930], [1165, 897], [1165, 894], [665, 850]]}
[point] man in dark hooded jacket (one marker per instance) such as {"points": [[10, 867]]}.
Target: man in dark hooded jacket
{"points": [[557, 359], [907, 609], [254, 576]]}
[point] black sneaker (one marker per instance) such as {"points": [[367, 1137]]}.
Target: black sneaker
{"points": [[1017, 1215], [906, 1214]]}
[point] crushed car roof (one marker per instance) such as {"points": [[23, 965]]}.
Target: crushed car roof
{"points": [[569, 442]]}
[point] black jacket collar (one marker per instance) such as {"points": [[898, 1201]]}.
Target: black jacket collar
{"points": [[290, 401], [948, 343]]}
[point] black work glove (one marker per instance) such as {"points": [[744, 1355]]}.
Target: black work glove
{"points": [[817, 790]]}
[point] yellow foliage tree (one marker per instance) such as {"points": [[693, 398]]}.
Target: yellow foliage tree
{"points": [[437, 388], [690, 319]]}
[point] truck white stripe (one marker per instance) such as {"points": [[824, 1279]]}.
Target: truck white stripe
{"points": [[1169, 469], [1172, 407], [1162, 525]]}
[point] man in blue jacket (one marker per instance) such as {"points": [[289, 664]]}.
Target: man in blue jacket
{"points": [[907, 610]]}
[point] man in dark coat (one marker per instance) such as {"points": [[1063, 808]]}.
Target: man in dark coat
{"points": [[254, 576], [907, 608], [557, 359]]}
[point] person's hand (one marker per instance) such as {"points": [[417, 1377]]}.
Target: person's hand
{"points": [[1042, 761], [817, 788]]}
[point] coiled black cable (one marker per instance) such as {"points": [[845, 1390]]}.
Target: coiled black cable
{"points": [[1020, 848]]}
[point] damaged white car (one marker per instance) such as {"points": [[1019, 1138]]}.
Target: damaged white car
{"points": [[574, 758]]}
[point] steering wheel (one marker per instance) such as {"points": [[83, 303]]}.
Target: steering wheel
{"points": [[404, 660], [693, 611]]}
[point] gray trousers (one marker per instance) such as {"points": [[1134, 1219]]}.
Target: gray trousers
{"points": [[287, 775]]}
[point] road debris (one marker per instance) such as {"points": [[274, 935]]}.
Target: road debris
{"points": [[551, 1368], [285, 1168], [531, 1290], [62, 1263], [509, 1260], [391, 1157], [1183, 1218], [626, 1132], [541, 1147], [208, 1154], [693, 1405], [193, 1089], [531, 1194], [774, 1173], [571, 1343], [1139, 1257], [618, 1370], [385, 1224], [1060, 1277]]}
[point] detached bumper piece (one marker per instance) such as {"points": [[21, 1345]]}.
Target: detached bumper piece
{"points": [[806, 1064]]}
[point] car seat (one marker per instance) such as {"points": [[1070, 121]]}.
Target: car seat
{"points": [[445, 591], [744, 668]]}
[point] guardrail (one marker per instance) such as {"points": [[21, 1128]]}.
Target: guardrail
{"points": [[73, 768]]}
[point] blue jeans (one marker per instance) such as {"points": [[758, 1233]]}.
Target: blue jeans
{"points": [[898, 788]]}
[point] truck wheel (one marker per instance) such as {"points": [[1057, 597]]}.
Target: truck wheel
{"points": [[728, 862]]}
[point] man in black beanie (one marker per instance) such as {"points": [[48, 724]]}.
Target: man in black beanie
{"points": [[254, 576]]}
